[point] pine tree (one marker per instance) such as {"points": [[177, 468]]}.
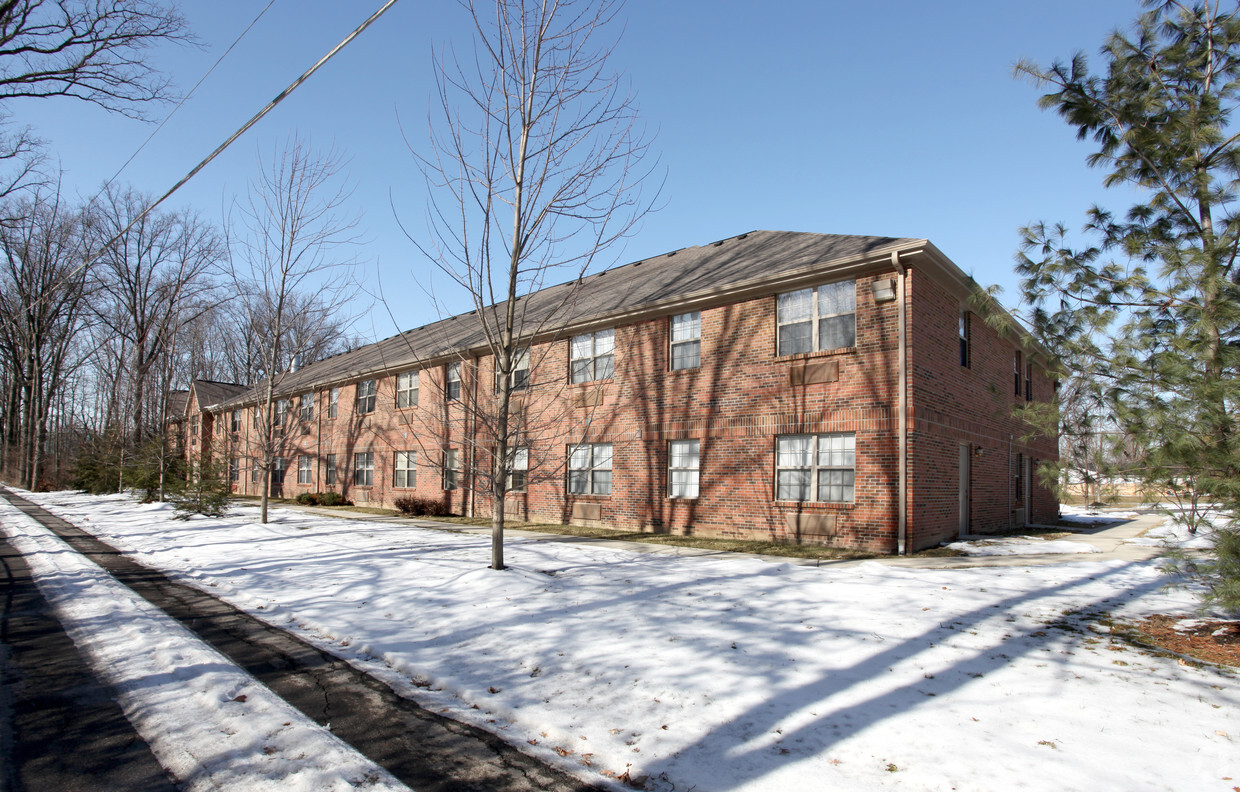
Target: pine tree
{"points": [[1152, 295]]}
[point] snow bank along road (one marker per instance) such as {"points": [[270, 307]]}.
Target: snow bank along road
{"points": [[722, 674], [214, 748]]}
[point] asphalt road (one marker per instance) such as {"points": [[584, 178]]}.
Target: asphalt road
{"points": [[425, 750]]}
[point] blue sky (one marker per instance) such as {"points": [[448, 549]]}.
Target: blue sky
{"points": [[897, 118]]}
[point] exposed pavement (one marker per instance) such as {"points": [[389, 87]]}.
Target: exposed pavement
{"points": [[425, 750]]}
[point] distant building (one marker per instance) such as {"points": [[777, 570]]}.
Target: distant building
{"points": [[748, 388]]}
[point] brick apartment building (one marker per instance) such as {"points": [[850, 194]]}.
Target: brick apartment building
{"points": [[749, 388]]}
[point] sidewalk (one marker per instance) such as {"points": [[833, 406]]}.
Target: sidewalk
{"points": [[1110, 540]]}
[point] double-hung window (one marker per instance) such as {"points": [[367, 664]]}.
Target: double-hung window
{"points": [[364, 469], [281, 411], [816, 467], [964, 339], [1028, 380], [592, 356], [235, 421], [452, 382], [518, 469], [329, 472], [278, 466], [451, 477], [589, 469], [407, 389], [307, 406], [333, 401], [687, 341], [366, 390], [405, 469], [254, 469], [234, 470], [811, 320], [683, 460], [305, 469]]}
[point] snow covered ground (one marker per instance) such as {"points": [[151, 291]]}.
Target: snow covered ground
{"points": [[724, 673]]}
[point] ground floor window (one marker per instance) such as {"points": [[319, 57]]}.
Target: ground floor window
{"points": [[329, 474], [589, 469], [451, 478], [682, 468], [254, 470], [305, 470], [518, 470], [278, 466], [816, 467], [234, 470], [364, 469], [405, 469]]}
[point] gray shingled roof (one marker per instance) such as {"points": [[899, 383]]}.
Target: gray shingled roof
{"points": [[671, 278], [212, 393]]}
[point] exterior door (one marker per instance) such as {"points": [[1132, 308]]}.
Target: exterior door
{"points": [[963, 490]]}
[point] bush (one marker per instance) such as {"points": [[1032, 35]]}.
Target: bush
{"points": [[333, 499], [206, 495], [418, 507], [310, 498]]}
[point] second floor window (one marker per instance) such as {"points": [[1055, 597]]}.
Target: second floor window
{"points": [[366, 390], [333, 401], [281, 412], [812, 320], [452, 383], [687, 341], [306, 408], [520, 371], [235, 421], [964, 339], [592, 356], [407, 389]]}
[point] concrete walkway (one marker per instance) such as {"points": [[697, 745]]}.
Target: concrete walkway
{"points": [[1110, 541]]}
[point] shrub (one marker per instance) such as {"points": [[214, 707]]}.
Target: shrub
{"points": [[310, 498], [421, 507], [206, 495], [333, 499]]}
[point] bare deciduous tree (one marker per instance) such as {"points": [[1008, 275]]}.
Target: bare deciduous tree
{"points": [[290, 269], [535, 171]]}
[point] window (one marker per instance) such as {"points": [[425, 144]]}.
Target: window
{"points": [[1020, 479], [592, 356], [234, 422], [452, 389], [364, 468], [682, 468], [254, 470], [518, 470], [305, 470], [1016, 370], [450, 475], [234, 470], [815, 467], [307, 407], [333, 399], [687, 341], [964, 339], [1029, 381], [329, 475], [520, 371], [278, 466], [281, 411], [193, 430], [366, 390], [589, 469], [407, 389], [406, 469], [811, 320]]}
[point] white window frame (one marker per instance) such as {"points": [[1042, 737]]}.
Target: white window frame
{"points": [[363, 468], [814, 306], [281, 408], [451, 476], [405, 470], [407, 385], [819, 464], [686, 338], [590, 468], [684, 460], [234, 470], [452, 382], [305, 469], [279, 468], [234, 422], [520, 372], [306, 408], [367, 395], [592, 356], [329, 471], [333, 402], [518, 469]]}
